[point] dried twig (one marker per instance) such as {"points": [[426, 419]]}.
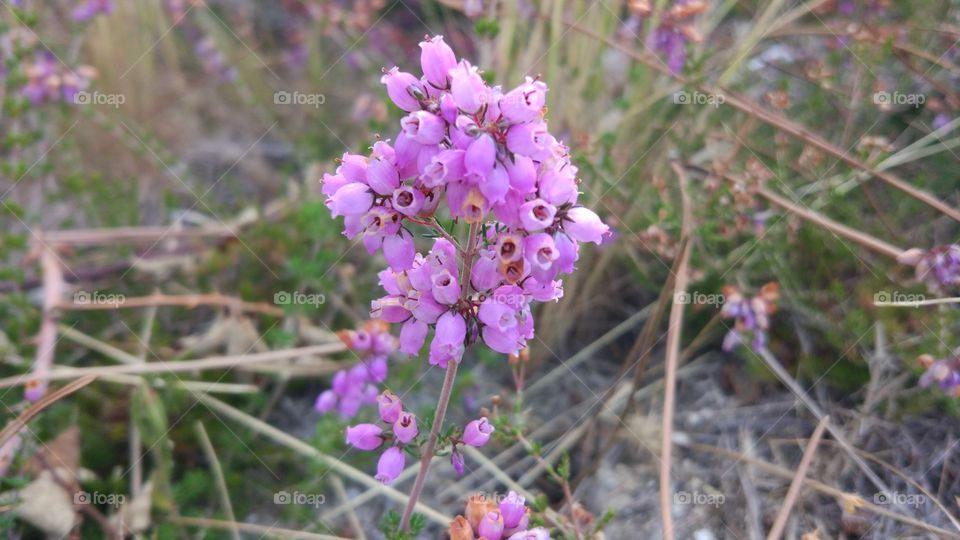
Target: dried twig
{"points": [[781, 521]]}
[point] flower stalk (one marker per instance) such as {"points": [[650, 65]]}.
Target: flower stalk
{"points": [[445, 393]]}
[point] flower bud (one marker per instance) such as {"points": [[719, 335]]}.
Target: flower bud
{"points": [[390, 465], [491, 526], [478, 432], [436, 60], [364, 436], [402, 88], [389, 406], [460, 529]]}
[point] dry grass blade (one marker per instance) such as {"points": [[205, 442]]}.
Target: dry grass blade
{"points": [[21, 421], [781, 521], [262, 530], [672, 360], [305, 449]]}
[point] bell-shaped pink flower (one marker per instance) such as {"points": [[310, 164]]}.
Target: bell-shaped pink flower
{"points": [[404, 89], [390, 465], [523, 173], [480, 156], [444, 167], [423, 127], [364, 436], [485, 274], [524, 103], [389, 406], [326, 401], [468, 88], [436, 60], [446, 289], [353, 167], [583, 225], [408, 200], [351, 200], [537, 214], [494, 188], [491, 526], [528, 139], [477, 432], [405, 428], [382, 176], [399, 250], [447, 343], [412, 335], [512, 509]]}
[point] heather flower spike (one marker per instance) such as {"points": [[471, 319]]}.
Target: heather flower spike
{"points": [[751, 315], [477, 155]]}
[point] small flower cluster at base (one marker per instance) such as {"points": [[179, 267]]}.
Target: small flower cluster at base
{"points": [[674, 31], [488, 158], [484, 518], [357, 386], [938, 267], [368, 437], [49, 80], [943, 373], [751, 315]]}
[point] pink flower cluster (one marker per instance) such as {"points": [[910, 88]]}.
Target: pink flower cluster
{"points": [[47, 79], [938, 267], [403, 426], [944, 373], [357, 386], [486, 519], [487, 156], [750, 315]]}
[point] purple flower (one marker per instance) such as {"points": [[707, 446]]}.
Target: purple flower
{"points": [[389, 406], [512, 509], [405, 428], [423, 127], [491, 526], [468, 89], [351, 200], [412, 335], [404, 89], [457, 461], [326, 401], [390, 465], [364, 436], [436, 60], [583, 225], [477, 432], [538, 533], [524, 103]]}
